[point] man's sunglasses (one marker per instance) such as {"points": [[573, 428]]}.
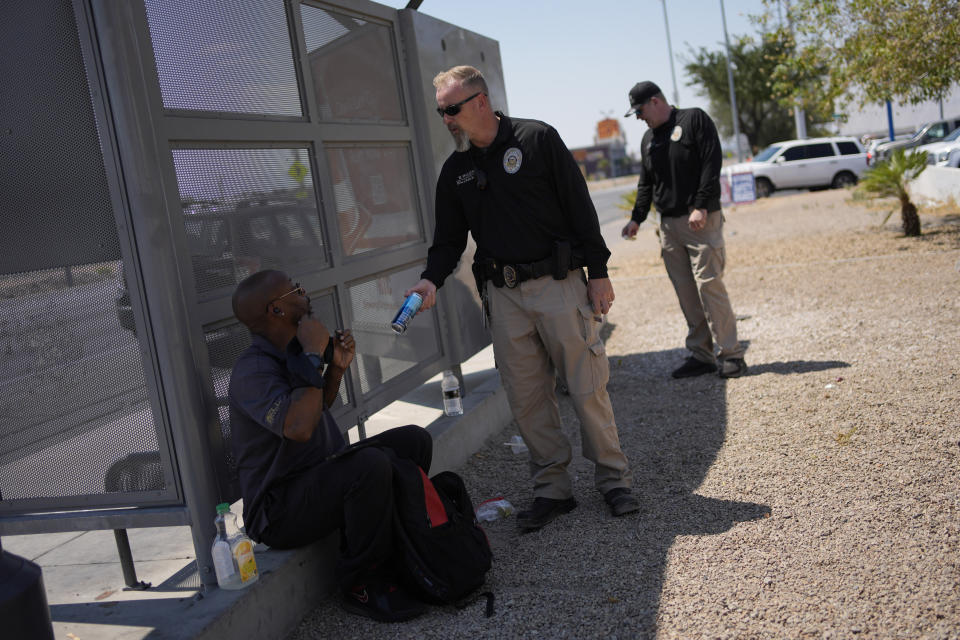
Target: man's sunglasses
{"points": [[297, 289], [453, 109]]}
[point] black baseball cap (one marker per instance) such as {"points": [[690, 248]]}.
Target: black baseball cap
{"points": [[641, 92]]}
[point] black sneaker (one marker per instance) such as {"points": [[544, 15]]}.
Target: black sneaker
{"points": [[732, 368], [693, 367], [381, 601], [621, 501], [543, 512]]}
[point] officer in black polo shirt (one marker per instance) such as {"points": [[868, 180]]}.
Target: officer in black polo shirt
{"points": [[515, 187], [680, 175]]}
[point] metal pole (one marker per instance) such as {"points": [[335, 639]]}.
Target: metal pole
{"points": [[799, 115], [733, 93], [890, 119], [673, 73]]}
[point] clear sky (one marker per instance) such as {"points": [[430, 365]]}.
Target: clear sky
{"points": [[572, 62]]}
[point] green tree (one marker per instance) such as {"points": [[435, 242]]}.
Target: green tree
{"points": [[867, 50], [890, 178], [763, 119]]}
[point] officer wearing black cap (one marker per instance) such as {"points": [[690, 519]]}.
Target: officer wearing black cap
{"points": [[514, 186], [680, 176]]}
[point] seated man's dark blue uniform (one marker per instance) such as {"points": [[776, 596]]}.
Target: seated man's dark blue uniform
{"points": [[298, 480]]}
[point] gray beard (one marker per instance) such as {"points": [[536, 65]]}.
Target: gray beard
{"points": [[462, 140]]}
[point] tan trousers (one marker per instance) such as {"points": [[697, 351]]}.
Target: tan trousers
{"points": [[540, 327], [694, 262]]}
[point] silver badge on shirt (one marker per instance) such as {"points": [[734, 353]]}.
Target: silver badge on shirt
{"points": [[512, 159]]}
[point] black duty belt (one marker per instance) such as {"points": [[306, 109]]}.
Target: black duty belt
{"points": [[508, 275]]}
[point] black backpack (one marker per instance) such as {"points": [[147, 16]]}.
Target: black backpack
{"points": [[441, 551]]}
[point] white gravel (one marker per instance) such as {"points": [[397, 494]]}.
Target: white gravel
{"points": [[817, 497]]}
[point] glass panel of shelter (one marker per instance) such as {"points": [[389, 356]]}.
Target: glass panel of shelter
{"points": [[353, 67], [230, 56]]}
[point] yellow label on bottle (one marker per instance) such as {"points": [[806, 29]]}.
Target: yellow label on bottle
{"points": [[243, 552]]}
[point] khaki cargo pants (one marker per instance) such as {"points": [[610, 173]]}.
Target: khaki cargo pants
{"points": [[541, 327], [694, 262]]}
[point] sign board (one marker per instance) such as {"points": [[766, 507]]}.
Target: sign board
{"points": [[742, 187]]}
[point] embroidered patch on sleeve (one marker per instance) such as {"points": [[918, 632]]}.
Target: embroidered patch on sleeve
{"points": [[272, 412]]}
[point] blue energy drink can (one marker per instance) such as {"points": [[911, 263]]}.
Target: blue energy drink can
{"points": [[409, 309]]}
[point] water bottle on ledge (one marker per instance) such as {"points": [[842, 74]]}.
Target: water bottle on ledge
{"points": [[232, 551], [452, 404]]}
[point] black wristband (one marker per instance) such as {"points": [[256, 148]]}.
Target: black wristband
{"points": [[318, 360], [328, 352]]}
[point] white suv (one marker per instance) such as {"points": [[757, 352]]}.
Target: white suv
{"points": [[939, 152], [815, 163]]}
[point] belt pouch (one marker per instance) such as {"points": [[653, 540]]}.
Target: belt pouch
{"points": [[478, 278]]}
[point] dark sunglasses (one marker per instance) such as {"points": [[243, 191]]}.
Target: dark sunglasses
{"points": [[297, 289], [453, 109]]}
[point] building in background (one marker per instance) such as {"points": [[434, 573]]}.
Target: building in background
{"points": [[607, 158]]}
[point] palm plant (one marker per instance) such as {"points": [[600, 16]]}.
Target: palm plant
{"points": [[889, 179]]}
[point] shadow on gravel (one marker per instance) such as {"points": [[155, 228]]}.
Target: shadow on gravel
{"points": [[672, 431], [795, 366]]}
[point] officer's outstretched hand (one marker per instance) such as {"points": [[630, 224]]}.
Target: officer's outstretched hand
{"points": [[600, 295], [427, 290]]}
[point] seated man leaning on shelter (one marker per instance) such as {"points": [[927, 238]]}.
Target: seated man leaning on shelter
{"points": [[284, 439]]}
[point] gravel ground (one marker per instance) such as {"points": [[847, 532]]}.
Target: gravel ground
{"points": [[816, 497]]}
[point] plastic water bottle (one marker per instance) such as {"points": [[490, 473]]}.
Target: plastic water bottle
{"points": [[233, 559], [452, 405]]}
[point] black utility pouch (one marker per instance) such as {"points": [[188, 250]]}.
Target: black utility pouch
{"points": [[562, 253], [478, 278]]}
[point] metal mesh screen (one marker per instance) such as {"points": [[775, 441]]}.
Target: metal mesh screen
{"points": [[72, 394], [245, 210], [224, 55], [373, 190], [381, 354], [73, 399], [353, 67], [52, 177]]}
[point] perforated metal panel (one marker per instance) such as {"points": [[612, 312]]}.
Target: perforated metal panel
{"points": [[244, 210], [353, 67], [73, 398], [374, 192], [224, 55], [383, 355], [52, 182]]}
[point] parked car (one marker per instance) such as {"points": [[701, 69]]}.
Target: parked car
{"points": [[225, 246], [930, 132], [939, 152], [814, 163]]}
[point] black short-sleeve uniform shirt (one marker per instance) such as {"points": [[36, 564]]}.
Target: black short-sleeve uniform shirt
{"points": [[261, 385]]}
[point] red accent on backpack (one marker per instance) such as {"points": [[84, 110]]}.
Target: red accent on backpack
{"points": [[436, 514]]}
